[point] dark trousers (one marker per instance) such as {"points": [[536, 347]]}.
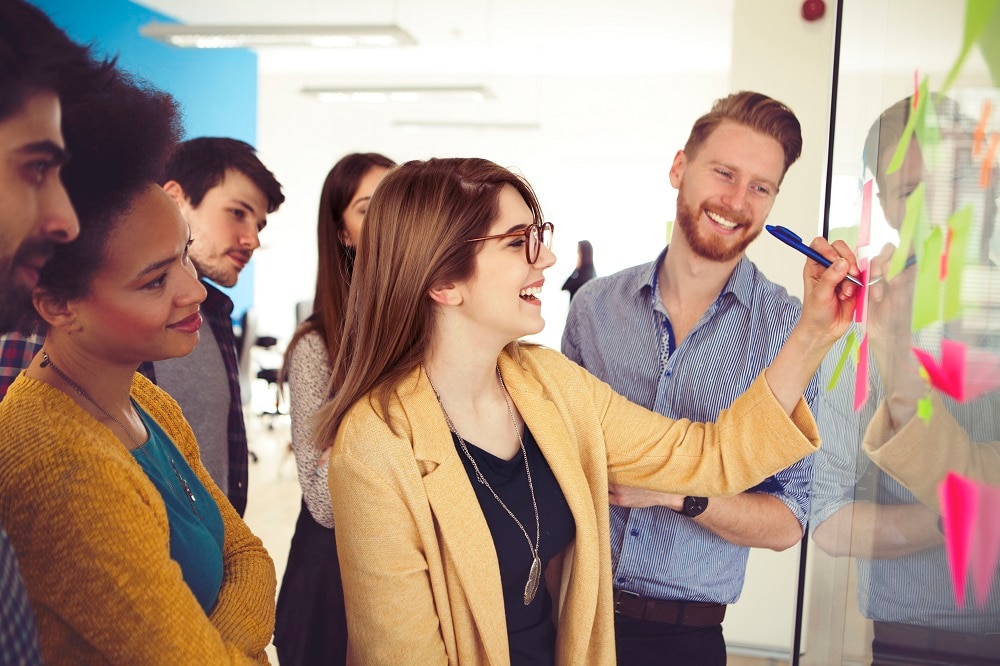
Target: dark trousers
{"points": [[643, 643], [311, 625]]}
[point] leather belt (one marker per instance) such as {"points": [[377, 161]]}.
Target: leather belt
{"points": [[687, 613], [934, 640]]}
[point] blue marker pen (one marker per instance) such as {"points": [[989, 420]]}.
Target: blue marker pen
{"points": [[792, 239]]}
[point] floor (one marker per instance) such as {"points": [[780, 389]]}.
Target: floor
{"points": [[274, 497]]}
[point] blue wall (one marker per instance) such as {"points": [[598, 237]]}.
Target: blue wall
{"points": [[216, 88]]}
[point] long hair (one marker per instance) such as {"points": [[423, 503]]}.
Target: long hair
{"points": [[336, 260], [413, 239]]}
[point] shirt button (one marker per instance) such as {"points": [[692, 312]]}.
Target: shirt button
{"points": [[634, 532], [621, 581], [669, 373]]}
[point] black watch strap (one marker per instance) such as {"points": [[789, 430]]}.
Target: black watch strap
{"points": [[694, 506]]}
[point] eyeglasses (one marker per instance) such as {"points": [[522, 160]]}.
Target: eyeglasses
{"points": [[535, 235]]}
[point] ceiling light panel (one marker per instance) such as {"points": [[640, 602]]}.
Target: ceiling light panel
{"points": [[258, 36]]}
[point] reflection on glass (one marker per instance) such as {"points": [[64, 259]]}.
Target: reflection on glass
{"points": [[876, 477]]}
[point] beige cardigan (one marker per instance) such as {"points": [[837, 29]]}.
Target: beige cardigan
{"points": [[420, 573], [920, 454]]}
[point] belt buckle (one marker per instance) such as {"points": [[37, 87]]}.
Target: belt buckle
{"points": [[627, 594]]}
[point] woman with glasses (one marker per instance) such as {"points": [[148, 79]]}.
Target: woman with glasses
{"points": [[469, 472]]}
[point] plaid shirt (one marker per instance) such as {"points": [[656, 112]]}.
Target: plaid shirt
{"points": [[18, 637], [16, 352]]}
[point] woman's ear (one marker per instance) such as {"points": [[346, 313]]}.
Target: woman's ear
{"points": [[56, 312], [345, 237], [445, 294]]}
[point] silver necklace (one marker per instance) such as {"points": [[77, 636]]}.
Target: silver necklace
{"points": [[47, 363], [534, 575]]}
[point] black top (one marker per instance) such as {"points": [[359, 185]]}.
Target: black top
{"points": [[530, 631], [577, 279]]}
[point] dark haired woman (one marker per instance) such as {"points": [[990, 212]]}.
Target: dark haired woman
{"points": [[130, 553], [311, 627]]}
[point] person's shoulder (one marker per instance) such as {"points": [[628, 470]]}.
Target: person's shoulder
{"points": [[311, 347], [625, 281], [544, 361], [773, 295], [46, 434]]}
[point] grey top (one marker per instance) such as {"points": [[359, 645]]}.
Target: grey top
{"points": [[199, 384]]}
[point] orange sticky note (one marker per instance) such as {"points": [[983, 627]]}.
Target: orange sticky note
{"points": [[991, 155], [979, 135]]}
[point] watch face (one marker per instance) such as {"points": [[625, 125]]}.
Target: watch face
{"points": [[695, 506]]}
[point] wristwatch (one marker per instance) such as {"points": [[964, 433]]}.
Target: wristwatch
{"points": [[694, 506]]}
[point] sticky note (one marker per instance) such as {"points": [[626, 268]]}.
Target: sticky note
{"points": [[861, 377], [914, 210]]}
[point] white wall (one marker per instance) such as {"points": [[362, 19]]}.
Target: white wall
{"points": [[612, 105]]}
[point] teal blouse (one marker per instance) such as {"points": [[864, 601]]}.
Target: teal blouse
{"points": [[196, 530]]}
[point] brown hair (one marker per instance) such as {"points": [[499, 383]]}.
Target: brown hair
{"points": [[336, 260], [756, 111], [412, 240]]}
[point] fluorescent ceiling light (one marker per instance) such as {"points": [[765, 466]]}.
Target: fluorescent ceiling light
{"points": [[402, 94], [235, 36], [459, 124]]}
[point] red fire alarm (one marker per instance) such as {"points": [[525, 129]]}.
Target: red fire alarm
{"points": [[813, 10]]}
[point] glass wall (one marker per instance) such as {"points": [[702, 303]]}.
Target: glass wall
{"points": [[911, 393]]}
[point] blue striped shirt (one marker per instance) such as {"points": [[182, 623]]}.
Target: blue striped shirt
{"points": [[618, 329], [914, 589]]}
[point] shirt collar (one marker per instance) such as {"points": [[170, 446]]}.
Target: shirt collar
{"points": [[216, 300], [739, 284]]}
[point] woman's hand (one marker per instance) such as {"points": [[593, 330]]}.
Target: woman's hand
{"points": [[890, 313], [827, 310], [829, 299]]}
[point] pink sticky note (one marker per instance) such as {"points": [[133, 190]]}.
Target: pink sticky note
{"points": [[986, 544], [948, 376], [959, 374], [959, 511], [864, 229], [982, 373], [861, 304], [861, 377]]}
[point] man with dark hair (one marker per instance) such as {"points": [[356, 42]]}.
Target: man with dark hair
{"points": [[41, 72], [225, 193], [685, 335]]}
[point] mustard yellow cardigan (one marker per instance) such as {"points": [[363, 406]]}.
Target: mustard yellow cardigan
{"points": [[420, 573], [92, 540]]}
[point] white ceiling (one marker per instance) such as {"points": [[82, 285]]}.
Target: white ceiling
{"points": [[482, 37]]}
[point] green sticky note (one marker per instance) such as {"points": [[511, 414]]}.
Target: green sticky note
{"points": [[978, 15], [847, 234], [960, 224], [928, 134], [925, 409], [850, 348], [927, 291], [914, 209], [917, 116], [989, 44]]}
